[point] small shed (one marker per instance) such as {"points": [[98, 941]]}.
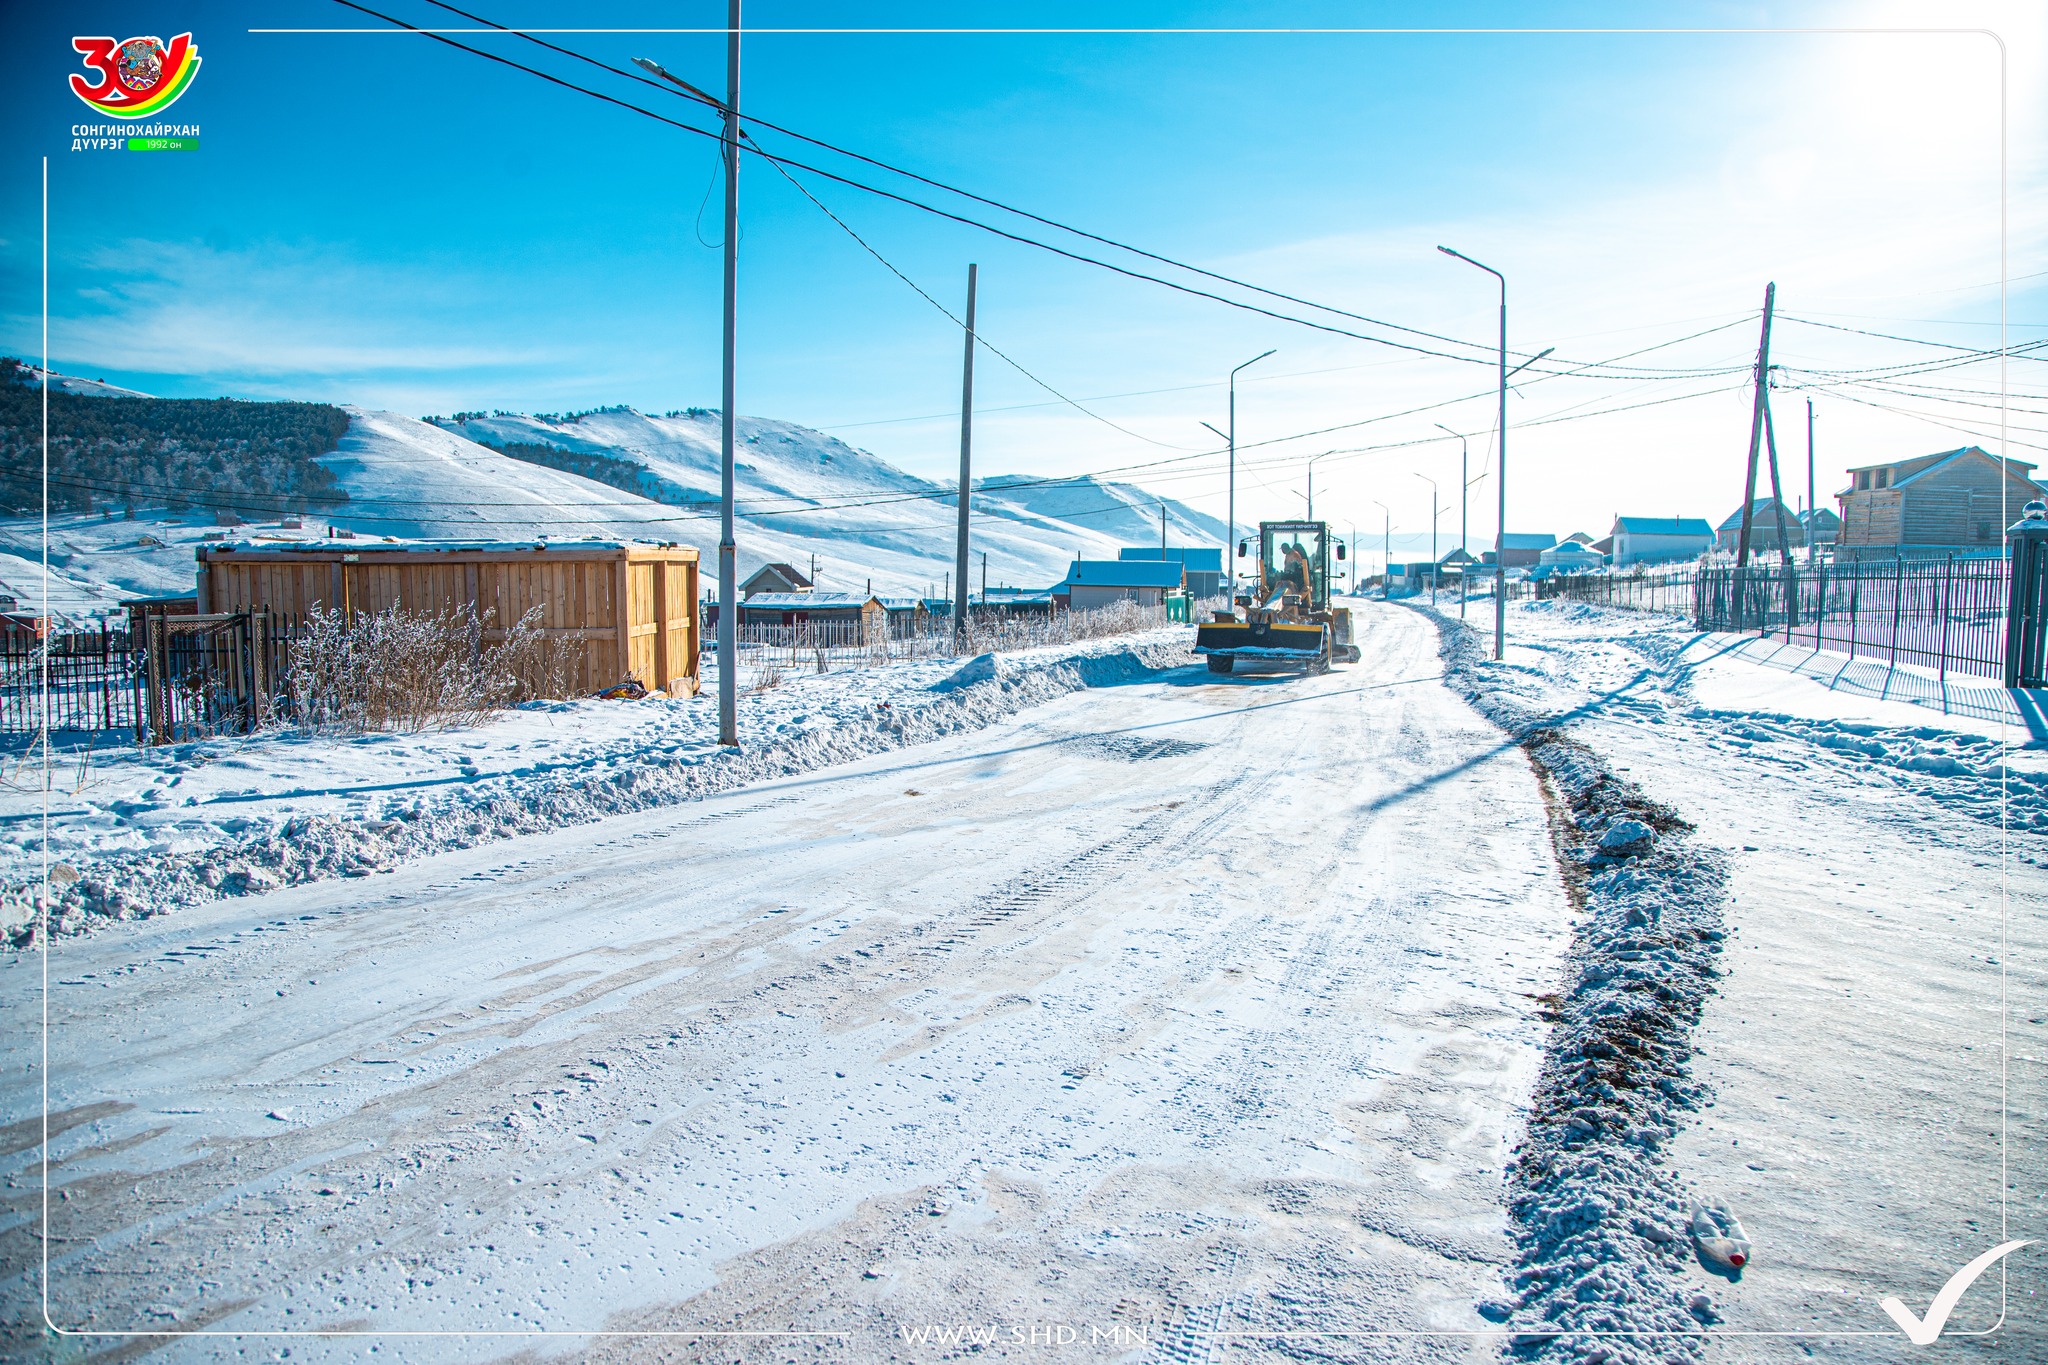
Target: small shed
{"points": [[1651, 540], [1764, 516], [1093, 583], [1523, 549], [802, 608], [1203, 566], [628, 607]]}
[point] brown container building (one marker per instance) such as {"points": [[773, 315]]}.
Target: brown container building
{"points": [[632, 607]]}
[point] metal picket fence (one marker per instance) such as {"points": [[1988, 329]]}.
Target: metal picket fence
{"points": [[1946, 614]]}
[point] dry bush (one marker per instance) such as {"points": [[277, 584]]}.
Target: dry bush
{"points": [[414, 671], [988, 634]]}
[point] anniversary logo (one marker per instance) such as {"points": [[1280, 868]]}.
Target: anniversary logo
{"points": [[136, 79]]}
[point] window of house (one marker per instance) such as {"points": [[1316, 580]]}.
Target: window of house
{"points": [[1884, 478], [1862, 479], [1983, 530]]}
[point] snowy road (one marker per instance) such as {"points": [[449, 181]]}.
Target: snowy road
{"points": [[1182, 1007]]}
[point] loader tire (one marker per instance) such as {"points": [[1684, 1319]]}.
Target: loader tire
{"points": [[1220, 663]]}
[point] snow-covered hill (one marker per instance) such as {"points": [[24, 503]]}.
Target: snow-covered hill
{"points": [[803, 497], [802, 492]]}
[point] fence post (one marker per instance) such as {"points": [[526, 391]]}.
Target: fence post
{"points": [[2023, 599], [154, 668], [1948, 579], [1820, 605], [1855, 592], [259, 668], [1898, 603]]}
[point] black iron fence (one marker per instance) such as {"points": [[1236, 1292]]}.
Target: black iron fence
{"points": [[1670, 593], [1948, 615], [186, 677]]}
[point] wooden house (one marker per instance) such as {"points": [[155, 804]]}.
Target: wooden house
{"points": [[1956, 500], [1763, 528], [775, 578], [629, 609]]}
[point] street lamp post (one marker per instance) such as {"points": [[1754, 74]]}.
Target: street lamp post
{"points": [[1312, 482], [1230, 549], [1500, 534], [1386, 553], [1434, 562], [1464, 490]]}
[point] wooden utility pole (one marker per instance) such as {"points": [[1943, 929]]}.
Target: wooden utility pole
{"points": [[1756, 424], [966, 473]]}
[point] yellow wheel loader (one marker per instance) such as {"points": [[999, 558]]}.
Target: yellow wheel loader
{"points": [[1285, 620]]}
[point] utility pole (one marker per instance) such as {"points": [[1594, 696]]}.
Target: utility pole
{"points": [[1756, 424], [728, 550], [984, 580], [1812, 509], [966, 471], [1162, 530], [814, 568]]}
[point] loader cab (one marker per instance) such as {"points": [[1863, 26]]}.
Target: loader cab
{"points": [[1294, 561]]}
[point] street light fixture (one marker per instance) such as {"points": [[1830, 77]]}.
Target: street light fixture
{"points": [[1500, 534]]}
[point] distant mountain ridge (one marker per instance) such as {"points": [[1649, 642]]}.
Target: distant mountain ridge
{"points": [[804, 497], [794, 481]]}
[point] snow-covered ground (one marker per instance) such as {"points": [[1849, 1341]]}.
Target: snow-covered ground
{"points": [[1197, 1017], [134, 832], [1875, 1050], [1190, 1016]]}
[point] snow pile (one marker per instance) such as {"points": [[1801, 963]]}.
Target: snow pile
{"points": [[147, 831], [1599, 1220]]}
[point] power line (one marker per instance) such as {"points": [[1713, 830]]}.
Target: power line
{"points": [[948, 314], [943, 213], [957, 190], [1912, 341]]}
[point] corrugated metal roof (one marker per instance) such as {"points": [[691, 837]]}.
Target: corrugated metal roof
{"points": [[1760, 510], [1528, 540], [1665, 526], [804, 601], [1123, 573], [1197, 559]]}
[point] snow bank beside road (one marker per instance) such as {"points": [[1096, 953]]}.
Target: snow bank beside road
{"points": [[1599, 1217], [145, 831]]}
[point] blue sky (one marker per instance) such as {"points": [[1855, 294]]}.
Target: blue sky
{"points": [[375, 218]]}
